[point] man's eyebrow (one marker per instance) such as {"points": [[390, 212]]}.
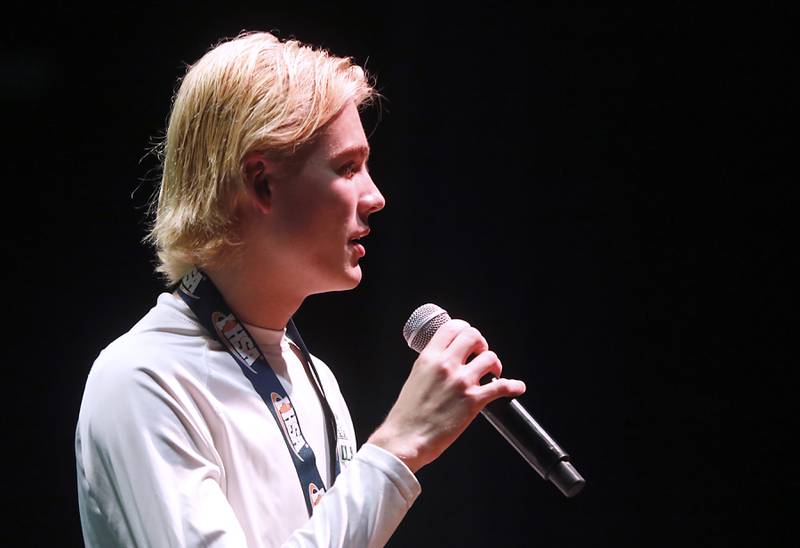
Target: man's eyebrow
{"points": [[354, 150]]}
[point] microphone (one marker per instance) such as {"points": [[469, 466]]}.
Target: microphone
{"points": [[508, 416]]}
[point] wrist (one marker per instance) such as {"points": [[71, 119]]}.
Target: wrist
{"points": [[399, 446]]}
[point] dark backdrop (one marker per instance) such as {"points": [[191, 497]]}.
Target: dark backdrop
{"points": [[604, 192]]}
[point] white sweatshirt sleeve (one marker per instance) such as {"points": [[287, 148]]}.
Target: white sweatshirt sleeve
{"points": [[365, 504], [144, 473]]}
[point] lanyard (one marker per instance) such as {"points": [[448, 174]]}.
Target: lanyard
{"points": [[199, 293]]}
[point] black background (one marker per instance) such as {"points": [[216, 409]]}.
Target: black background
{"points": [[605, 193]]}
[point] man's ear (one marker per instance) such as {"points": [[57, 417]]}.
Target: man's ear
{"points": [[257, 168]]}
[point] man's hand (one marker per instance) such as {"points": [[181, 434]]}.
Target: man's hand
{"points": [[442, 395]]}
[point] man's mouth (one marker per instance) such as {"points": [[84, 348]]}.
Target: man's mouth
{"points": [[358, 246]]}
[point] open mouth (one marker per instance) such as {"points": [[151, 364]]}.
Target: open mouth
{"points": [[358, 246]]}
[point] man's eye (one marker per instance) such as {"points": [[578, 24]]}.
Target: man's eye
{"points": [[350, 169]]}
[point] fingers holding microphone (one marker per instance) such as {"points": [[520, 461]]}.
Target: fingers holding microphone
{"points": [[463, 345], [471, 352], [488, 363], [443, 394]]}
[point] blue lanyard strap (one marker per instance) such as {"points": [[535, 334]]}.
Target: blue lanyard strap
{"points": [[199, 293], [330, 418]]}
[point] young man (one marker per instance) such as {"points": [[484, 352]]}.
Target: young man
{"points": [[208, 423]]}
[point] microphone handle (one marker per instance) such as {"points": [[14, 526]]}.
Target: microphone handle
{"points": [[535, 445]]}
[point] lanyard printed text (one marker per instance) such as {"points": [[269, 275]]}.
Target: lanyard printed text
{"points": [[236, 338]]}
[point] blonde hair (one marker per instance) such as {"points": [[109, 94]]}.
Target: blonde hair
{"points": [[251, 93]]}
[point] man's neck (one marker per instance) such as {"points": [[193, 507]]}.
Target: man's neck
{"points": [[256, 298]]}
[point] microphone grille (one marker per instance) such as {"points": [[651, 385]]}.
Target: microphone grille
{"points": [[422, 324]]}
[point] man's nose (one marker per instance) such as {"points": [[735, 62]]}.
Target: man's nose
{"points": [[372, 200]]}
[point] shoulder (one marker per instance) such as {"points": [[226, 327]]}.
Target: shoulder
{"points": [[156, 365], [167, 337]]}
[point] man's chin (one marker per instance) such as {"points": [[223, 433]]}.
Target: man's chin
{"points": [[349, 281], [355, 276]]}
